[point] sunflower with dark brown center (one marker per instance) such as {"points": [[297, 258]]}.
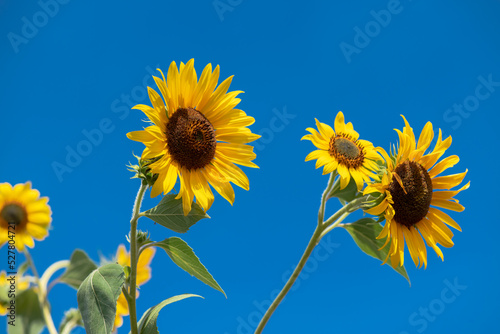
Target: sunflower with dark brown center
{"points": [[196, 135], [24, 216], [341, 150], [409, 196]]}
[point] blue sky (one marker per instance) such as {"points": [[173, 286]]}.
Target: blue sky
{"points": [[71, 68]]}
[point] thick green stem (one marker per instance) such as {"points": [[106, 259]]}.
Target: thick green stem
{"points": [[42, 295], [134, 259]]}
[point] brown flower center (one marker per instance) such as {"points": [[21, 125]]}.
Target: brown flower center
{"points": [[190, 138], [411, 204], [14, 214], [347, 151]]}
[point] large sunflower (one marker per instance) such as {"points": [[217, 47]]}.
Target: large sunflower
{"points": [[23, 215], [341, 150], [408, 189], [196, 135], [143, 275]]}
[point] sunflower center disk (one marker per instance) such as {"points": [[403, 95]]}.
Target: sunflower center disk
{"points": [[13, 214], [412, 203], [346, 151], [190, 138]]}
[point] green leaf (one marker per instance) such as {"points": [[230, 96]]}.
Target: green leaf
{"points": [[97, 298], [183, 256], [29, 316], [80, 266], [147, 324], [365, 232], [169, 213], [345, 195]]}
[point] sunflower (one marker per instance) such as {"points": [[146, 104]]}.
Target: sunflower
{"points": [[341, 150], [143, 275], [22, 283], [196, 135], [23, 215], [408, 189]]}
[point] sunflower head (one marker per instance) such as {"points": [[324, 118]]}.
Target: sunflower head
{"points": [[341, 150], [196, 135], [410, 193], [24, 216]]}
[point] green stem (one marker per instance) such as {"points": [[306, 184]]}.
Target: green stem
{"points": [[44, 280], [70, 326], [321, 230], [334, 225], [348, 208], [42, 295], [310, 247], [324, 198], [134, 258]]}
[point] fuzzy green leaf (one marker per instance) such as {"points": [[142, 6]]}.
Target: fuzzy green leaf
{"points": [[80, 266], [182, 255], [147, 324], [97, 298], [169, 214], [365, 232]]}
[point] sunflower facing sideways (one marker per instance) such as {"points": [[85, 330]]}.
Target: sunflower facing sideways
{"points": [[341, 150], [408, 188], [24, 216], [196, 135]]}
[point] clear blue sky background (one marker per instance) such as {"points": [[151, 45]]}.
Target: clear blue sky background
{"points": [[87, 63]]}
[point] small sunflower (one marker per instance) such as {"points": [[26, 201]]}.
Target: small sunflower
{"points": [[341, 150], [408, 189], [143, 276], [23, 215], [22, 283], [196, 135]]}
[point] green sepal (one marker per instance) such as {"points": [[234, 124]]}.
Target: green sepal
{"points": [[142, 170], [80, 266], [169, 213], [183, 256], [365, 232], [97, 298], [28, 318], [147, 323]]}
